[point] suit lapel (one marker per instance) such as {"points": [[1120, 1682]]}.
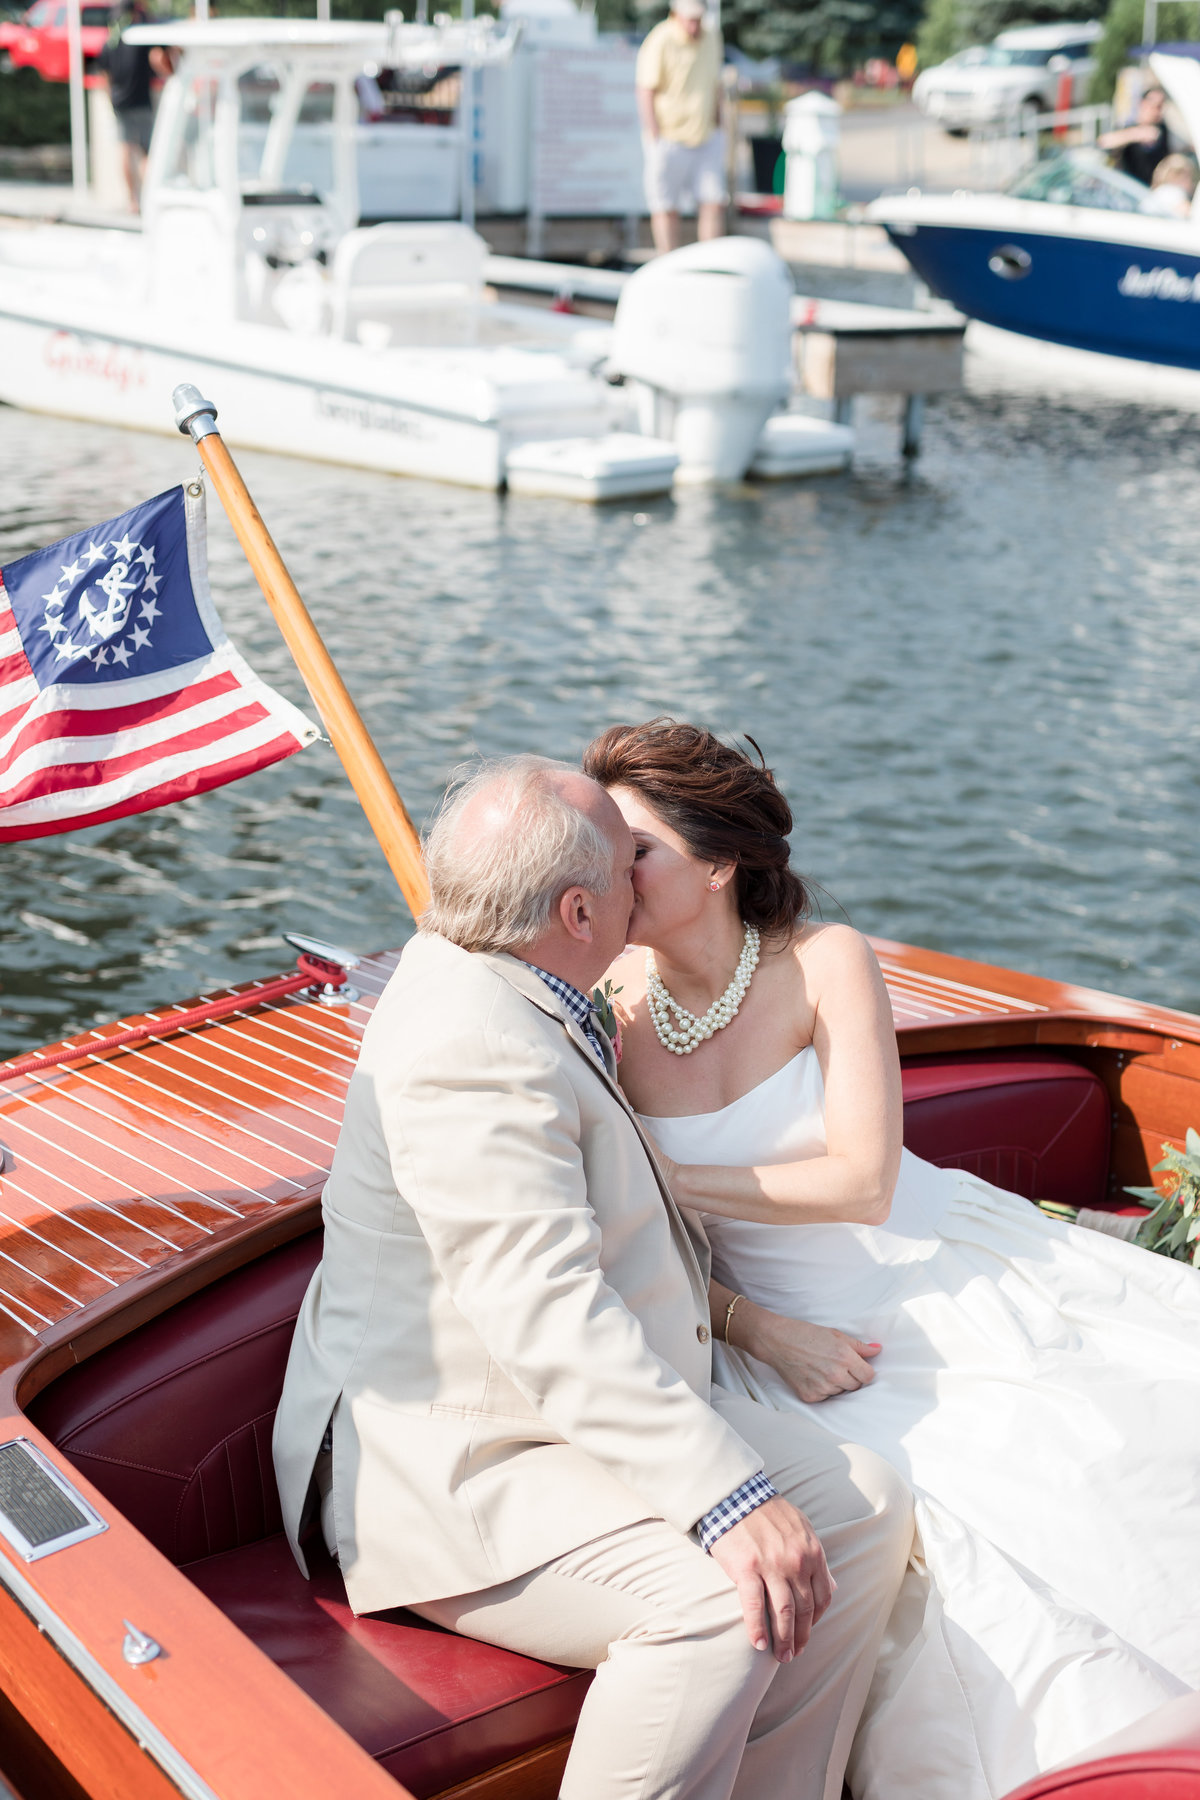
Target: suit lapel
{"points": [[521, 976]]}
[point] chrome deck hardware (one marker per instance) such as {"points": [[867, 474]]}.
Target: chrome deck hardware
{"points": [[328, 995], [40, 1510], [137, 1647]]}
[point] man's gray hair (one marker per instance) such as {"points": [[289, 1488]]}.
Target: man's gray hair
{"points": [[497, 889]]}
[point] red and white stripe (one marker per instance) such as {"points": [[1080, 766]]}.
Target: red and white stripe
{"points": [[77, 755]]}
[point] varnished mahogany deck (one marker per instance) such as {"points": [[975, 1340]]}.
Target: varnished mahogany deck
{"points": [[115, 1164]]}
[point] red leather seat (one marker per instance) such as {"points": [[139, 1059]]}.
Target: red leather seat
{"points": [[432, 1708], [173, 1424], [1038, 1126]]}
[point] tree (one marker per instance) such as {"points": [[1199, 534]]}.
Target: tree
{"points": [[831, 36], [33, 111], [1177, 23]]}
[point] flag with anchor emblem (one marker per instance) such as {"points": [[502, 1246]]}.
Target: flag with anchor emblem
{"points": [[119, 690]]}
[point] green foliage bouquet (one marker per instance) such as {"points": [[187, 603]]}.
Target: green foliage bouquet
{"points": [[1173, 1228]]}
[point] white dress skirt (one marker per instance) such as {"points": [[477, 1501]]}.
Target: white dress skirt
{"points": [[1039, 1388]]}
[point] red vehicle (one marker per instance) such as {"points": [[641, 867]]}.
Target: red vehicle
{"points": [[39, 40]]}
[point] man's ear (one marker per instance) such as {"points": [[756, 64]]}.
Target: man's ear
{"points": [[575, 911]]}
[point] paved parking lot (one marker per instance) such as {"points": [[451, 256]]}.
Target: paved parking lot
{"points": [[885, 148]]}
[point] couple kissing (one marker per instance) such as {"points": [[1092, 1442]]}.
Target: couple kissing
{"points": [[831, 1463]]}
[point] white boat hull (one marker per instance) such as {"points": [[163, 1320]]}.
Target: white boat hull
{"points": [[56, 366]]}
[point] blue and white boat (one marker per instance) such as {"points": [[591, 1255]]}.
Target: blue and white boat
{"points": [[1067, 254]]}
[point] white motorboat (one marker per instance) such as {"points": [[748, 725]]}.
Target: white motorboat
{"points": [[377, 346]]}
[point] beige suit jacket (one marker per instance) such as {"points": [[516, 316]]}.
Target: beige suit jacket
{"points": [[509, 1324]]}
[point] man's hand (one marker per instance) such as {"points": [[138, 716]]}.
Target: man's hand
{"points": [[776, 1562]]}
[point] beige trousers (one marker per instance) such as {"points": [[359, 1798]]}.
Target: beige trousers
{"points": [[682, 1708]]}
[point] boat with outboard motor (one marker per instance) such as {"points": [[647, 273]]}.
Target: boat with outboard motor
{"points": [[162, 1204], [379, 346], [1067, 254]]}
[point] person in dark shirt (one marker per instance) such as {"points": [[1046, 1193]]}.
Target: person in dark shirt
{"points": [[1141, 147], [128, 69]]}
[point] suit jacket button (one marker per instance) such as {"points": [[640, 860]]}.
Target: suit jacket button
{"points": [[702, 1333]]}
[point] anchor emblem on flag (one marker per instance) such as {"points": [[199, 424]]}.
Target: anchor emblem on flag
{"points": [[82, 630]]}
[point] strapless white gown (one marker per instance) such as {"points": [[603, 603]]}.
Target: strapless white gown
{"points": [[1039, 1387]]}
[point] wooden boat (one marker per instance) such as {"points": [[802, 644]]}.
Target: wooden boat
{"points": [[161, 1216]]}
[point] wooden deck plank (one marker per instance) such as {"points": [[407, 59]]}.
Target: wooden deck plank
{"points": [[128, 1117], [61, 1182], [204, 1070]]}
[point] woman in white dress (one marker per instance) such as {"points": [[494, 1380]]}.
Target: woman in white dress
{"points": [[1038, 1385]]}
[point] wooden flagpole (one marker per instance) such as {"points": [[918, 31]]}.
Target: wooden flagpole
{"points": [[385, 810]]}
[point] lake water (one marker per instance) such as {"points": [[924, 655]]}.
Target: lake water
{"points": [[980, 687]]}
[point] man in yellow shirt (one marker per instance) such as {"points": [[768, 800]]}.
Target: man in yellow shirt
{"points": [[679, 103]]}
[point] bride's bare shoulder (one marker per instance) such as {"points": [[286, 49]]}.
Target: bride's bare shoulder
{"points": [[826, 950]]}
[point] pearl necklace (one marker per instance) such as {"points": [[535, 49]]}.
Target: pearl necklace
{"points": [[684, 1032]]}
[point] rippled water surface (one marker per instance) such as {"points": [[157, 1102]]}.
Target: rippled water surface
{"points": [[980, 686]]}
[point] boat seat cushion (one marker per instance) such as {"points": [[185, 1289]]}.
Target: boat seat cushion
{"points": [[1038, 1126], [434, 1709]]}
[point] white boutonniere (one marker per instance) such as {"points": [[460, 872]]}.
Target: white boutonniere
{"points": [[610, 1025]]}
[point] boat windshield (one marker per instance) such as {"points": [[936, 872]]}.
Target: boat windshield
{"points": [[1079, 178]]}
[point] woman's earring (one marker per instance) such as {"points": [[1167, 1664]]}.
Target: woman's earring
{"points": [[714, 887]]}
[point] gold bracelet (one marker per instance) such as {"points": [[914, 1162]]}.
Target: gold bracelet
{"points": [[729, 1313]]}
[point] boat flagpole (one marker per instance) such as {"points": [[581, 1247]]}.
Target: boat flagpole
{"points": [[79, 154], [385, 810]]}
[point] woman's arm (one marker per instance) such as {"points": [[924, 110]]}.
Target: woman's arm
{"points": [[854, 1036], [815, 1360]]}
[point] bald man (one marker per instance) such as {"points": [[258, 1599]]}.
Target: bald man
{"points": [[498, 1408]]}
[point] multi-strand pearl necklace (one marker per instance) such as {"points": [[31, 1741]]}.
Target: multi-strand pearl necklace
{"points": [[681, 1031]]}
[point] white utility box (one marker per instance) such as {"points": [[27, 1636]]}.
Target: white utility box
{"points": [[811, 133]]}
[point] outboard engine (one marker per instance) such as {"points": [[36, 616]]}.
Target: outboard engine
{"points": [[703, 337]]}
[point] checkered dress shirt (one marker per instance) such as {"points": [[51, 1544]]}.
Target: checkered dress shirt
{"points": [[736, 1506], [579, 1007]]}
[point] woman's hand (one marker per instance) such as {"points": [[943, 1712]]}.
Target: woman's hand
{"points": [[671, 1172], [816, 1361]]}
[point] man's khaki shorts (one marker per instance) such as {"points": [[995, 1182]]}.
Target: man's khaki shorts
{"points": [[677, 174]]}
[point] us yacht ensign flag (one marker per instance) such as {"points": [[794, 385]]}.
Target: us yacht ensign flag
{"points": [[119, 690]]}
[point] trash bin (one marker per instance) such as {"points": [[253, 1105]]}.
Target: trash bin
{"points": [[767, 153], [812, 126]]}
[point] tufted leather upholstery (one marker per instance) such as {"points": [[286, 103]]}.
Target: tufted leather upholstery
{"points": [[173, 1425], [1039, 1126]]}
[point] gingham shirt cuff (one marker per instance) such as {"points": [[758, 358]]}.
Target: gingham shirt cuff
{"points": [[734, 1508]]}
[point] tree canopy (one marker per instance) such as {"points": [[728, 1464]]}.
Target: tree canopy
{"points": [[1177, 23]]}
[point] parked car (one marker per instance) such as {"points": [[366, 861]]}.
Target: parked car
{"points": [[39, 40], [1016, 78]]}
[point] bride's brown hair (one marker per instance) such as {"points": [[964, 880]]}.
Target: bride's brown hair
{"points": [[724, 805]]}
